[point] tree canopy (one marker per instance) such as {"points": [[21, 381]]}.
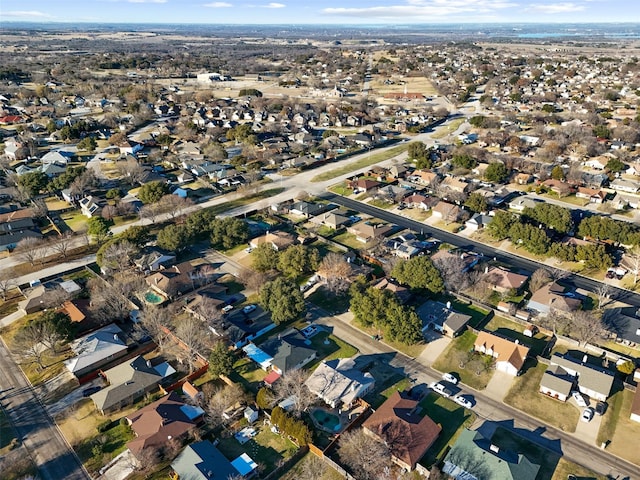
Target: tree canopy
{"points": [[496, 172], [419, 272], [283, 299], [152, 192]]}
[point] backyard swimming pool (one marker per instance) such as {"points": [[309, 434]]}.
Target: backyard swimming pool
{"points": [[153, 298], [326, 420]]}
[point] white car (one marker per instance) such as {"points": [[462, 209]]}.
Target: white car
{"points": [[577, 396], [441, 389], [227, 308], [587, 414], [462, 401], [448, 377]]}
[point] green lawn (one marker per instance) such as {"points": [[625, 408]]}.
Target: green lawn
{"points": [[298, 470], [98, 450], [511, 442], [74, 219], [247, 373], [349, 240], [341, 189], [367, 161], [327, 301], [334, 348], [449, 361], [266, 449], [383, 204], [451, 417], [565, 467], [619, 429], [477, 314], [377, 399], [448, 129], [524, 396], [246, 200], [506, 328]]}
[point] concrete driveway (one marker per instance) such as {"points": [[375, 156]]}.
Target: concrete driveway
{"points": [[499, 385], [588, 431], [436, 344]]}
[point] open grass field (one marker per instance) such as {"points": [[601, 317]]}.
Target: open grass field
{"points": [[245, 200], [400, 82], [452, 418], [619, 429], [367, 161], [524, 396], [449, 361]]}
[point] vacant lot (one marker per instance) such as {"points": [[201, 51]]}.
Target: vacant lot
{"points": [[452, 418], [524, 396], [457, 351], [619, 428]]}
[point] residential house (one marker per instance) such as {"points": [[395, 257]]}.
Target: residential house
{"points": [[473, 456], [192, 392], [203, 461], [524, 178], [592, 381], [626, 186], [240, 331], [163, 420], [441, 318], [95, 350], [424, 177], [597, 163], [173, 281], [455, 184], [403, 294], [421, 202], [557, 383], [594, 195], [90, 207], [502, 280], [366, 232], [339, 383], [289, 351], [128, 382], [624, 324], [553, 297], [11, 212], [469, 259], [622, 202], [478, 222], [635, 407], [307, 209], [363, 185], [278, 240], [153, 259], [561, 189], [510, 356], [13, 231], [56, 157], [520, 203], [331, 220], [400, 426], [447, 212]]}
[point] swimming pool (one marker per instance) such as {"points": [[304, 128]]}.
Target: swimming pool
{"points": [[153, 298], [326, 420]]}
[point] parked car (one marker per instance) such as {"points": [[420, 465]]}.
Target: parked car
{"points": [[87, 392], [249, 309], [601, 407], [441, 389], [577, 396], [462, 401], [227, 308], [449, 377], [587, 414]]}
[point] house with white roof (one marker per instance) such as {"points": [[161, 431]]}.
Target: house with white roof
{"points": [[338, 382], [96, 350]]}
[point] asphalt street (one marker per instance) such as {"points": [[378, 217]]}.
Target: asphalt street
{"points": [[495, 412], [576, 281], [53, 457]]}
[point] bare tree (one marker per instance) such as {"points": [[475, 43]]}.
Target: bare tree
{"points": [[633, 259], [312, 468], [62, 244], [6, 283], [189, 331], [133, 172], [558, 274], [83, 183], [603, 294], [555, 321], [291, 385], [30, 250], [218, 400], [39, 208], [151, 212], [587, 327], [174, 205], [54, 297], [112, 300], [28, 343], [117, 256], [451, 268], [253, 280], [208, 311], [157, 321], [336, 270], [108, 212], [365, 456], [539, 279]]}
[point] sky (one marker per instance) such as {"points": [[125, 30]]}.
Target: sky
{"points": [[320, 11]]}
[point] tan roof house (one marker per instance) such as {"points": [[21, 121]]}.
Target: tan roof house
{"points": [[407, 434], [503, 280], [446, 211], [592, 194], [366, 232], [173, 281], [553, 296], [278, 240], [455, 184], [510, 356]]}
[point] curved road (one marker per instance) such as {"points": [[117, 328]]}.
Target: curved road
{"points": [[577, 281], [48, 449]]}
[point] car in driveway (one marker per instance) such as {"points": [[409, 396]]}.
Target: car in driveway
{"points": [[248, 309], [587, 414], [577, 396], [450, 377], [601, 407], [441, 389], [227, 308], [87, 392], [463, 401]]}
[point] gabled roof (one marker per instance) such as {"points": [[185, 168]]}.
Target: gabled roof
{"points": [[407, 434], [506, 279], [557, 379], [589, 376], [473, 453], [161, 420], [506, 350], [338, 381], [288, 350], [625, 325], [202, 461], [95, 347], [553, 295]]}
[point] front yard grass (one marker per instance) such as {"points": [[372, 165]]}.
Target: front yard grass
{"points": [[98, 450], [332, 349], [266, 449], [565, 468], [362, 163], [377, 399], [245, 200], [512, 442], [449, 361], [452, 418], [349, 240], [524, 396], [506, 328], [333, 304], [74, 219], [341, 189], [619, 429]]}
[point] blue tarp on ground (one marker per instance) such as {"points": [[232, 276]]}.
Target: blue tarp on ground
{"points": [[257, 355]]}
